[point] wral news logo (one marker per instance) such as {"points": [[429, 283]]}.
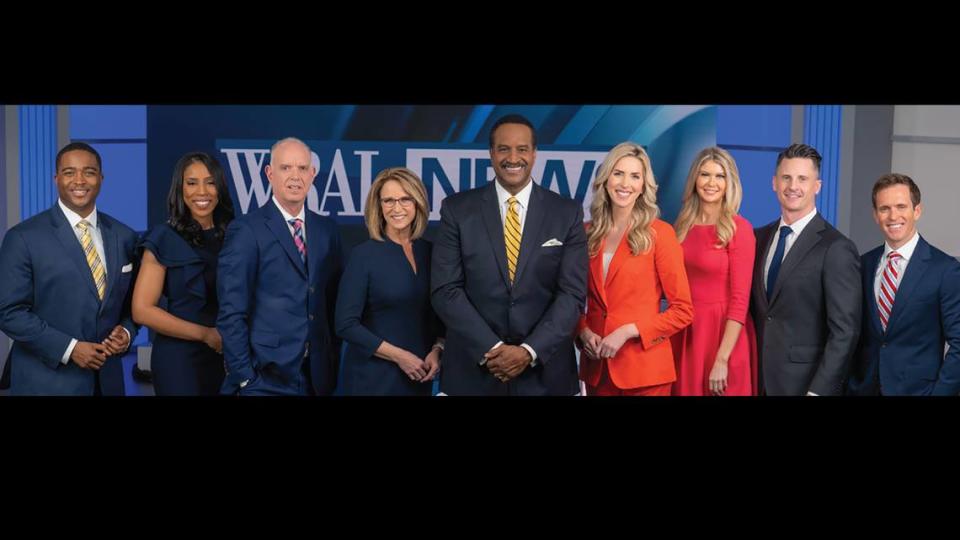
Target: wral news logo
{"points": [[346, 169]]}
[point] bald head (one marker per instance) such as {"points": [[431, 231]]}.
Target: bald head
{"points": [[288, 141], [291, 173]]}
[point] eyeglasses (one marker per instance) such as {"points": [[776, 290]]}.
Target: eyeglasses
{"points": [[405, 202]]}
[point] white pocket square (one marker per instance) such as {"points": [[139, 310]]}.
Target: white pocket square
{"points": [[126, 268], [553, 242]]}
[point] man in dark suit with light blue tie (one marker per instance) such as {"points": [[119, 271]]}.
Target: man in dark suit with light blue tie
{"points": [[805, 298], [65, 284], [509, 278], [911, 302], [276, 282]]}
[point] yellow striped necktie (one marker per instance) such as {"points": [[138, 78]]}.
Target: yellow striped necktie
{"points": [[511, 236], [93, 260]]}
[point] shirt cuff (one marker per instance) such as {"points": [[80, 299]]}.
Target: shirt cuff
{"points": [[533, 354], [129, 337], [809, 393], [66, 355]]}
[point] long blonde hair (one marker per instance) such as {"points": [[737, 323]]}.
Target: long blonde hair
{"points": [[645, 210], [732, 196]]}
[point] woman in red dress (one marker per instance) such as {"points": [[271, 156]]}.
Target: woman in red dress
{"points": [[716, 354]]}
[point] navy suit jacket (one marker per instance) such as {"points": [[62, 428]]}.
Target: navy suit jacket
{"points": [[472, 294], [908, 358], [273, 310], [48, 297]]}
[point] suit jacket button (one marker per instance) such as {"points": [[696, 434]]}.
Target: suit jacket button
{"points": [[311, 317], [311, 290], [769, 318]]}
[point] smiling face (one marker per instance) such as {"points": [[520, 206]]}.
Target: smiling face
{"points": [[896, 214], [796, 184], [625, 183], [711, 182], [78, 181], [200, 193], [399, 208], [513, 155]]}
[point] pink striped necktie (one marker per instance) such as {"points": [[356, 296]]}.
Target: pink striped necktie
{"points": [[888, 287], [298, 238]]}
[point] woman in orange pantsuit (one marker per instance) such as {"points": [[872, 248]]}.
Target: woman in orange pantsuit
{"points": [[635, 260]]}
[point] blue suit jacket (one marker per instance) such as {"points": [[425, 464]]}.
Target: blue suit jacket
{"points": [[473, 296], [273, 310], [908, 358], [48, 296]]}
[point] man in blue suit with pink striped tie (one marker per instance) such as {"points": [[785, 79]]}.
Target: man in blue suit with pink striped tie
{"points": [[276, 281], [911, 303]]}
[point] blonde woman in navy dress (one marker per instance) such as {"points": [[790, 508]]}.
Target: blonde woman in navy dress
{"points": [[392, 335]]}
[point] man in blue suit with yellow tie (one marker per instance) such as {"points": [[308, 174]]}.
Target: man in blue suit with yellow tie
{"points": [[276, 281], [911, 299], [65, 288]]}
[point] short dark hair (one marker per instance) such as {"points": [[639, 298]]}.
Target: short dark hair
{"points": [[800, 150], [78, 146], [894, 179], [179, 216], [513, 119]]}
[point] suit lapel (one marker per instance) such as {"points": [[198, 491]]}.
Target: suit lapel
{"points": [[620, 256], [490, 210], [763, 248], [317, 243], [278, 226], [870, 272], [912, 276], [111, 252], [72, 248], [596, 273], [533, 222], [809, 238]]}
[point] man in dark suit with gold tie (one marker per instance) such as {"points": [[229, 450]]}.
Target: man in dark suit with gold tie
{"points": [[65, 291], [509, 278]]}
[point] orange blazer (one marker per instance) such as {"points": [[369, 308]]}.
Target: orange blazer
{"points": [[631, 293]]}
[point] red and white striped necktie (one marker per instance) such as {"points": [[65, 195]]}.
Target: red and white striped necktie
{"points": [[888, 287]]}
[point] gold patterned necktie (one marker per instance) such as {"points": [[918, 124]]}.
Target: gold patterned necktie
{"points": [[511, 237], [93, 260]]}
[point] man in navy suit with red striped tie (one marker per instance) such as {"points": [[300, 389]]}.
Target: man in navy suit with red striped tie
{"points": [[911, 304]]}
